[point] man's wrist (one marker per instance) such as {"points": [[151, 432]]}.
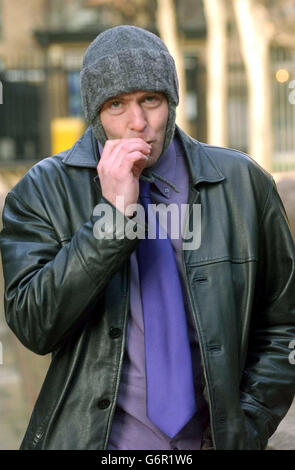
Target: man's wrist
{"points": [[114, 223]]}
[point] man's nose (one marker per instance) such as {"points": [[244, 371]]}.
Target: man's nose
{"points": [[137, 118]]}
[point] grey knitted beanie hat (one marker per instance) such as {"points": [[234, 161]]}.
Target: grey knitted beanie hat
{"points": [[125, 59]]}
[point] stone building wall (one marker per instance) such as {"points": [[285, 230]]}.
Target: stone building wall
{"points": [[19, 19]]}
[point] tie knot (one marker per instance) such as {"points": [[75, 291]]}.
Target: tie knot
{"points": [[144, 189]]}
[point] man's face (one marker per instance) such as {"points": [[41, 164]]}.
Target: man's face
{"points": [[138, 114]]}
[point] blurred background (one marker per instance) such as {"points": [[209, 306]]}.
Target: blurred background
{"points": [[236, 67]]}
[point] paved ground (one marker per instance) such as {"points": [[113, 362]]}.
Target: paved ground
{"points": [[284, 437]]}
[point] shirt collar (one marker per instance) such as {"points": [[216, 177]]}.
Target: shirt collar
{"points": [[202, 167]]}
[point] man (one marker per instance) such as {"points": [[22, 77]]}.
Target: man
{"points": [[147, 354]]}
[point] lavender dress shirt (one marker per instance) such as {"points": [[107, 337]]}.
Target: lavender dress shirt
{"points": [[131, 428]]}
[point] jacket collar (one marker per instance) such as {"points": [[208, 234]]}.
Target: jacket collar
{"points": [[85, 154], [201, 166]]}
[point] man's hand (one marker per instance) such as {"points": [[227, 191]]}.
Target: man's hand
{"points": [[119, 168]]}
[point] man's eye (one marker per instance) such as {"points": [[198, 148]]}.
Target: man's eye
{"points": [[115, 104], [151, 99]]}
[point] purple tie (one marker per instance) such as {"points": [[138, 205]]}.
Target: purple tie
{"points": [[170, 389]]}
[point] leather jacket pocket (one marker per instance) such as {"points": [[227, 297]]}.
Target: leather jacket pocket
{"points": [[252, 437], [207, 442]]}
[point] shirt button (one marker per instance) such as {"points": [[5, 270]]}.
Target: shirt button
{"points": [[166, 190], [103, 404], [115, 333]]}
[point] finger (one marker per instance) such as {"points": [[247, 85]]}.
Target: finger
{"points": [[108, 148], [123, 167], [117, 154], [133, 159], [138, 167], [120, 147], [130, 165]]}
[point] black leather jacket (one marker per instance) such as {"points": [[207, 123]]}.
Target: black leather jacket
{"points": [[67, 292]]}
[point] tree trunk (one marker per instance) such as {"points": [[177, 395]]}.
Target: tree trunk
{"points": [[167, 26], [215, 12], [255, 36]]}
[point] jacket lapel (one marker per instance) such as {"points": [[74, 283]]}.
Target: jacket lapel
{"points": [[201, 166], [84, 153]]}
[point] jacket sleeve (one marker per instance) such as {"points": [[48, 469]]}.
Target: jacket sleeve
{"points": [[49, 286], [268, 384]]}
